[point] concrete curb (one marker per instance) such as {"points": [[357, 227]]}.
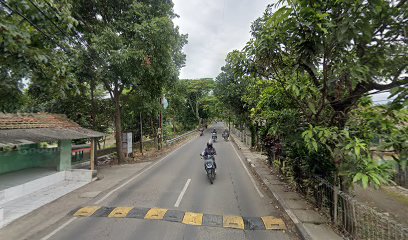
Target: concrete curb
{"points": [[299, 225]]}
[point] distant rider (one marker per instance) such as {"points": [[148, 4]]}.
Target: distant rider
{"points": [[210, 150], [225, 133], [214, 133]]}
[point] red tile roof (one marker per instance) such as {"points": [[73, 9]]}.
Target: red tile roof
{"points": [[35, 120], [38, 127]]}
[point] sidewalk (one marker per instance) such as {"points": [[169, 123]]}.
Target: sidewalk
{"points": [[26, 190], [309, 223], [52, 215]]}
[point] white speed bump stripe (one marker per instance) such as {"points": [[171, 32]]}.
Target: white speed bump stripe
{"points": [[189, 218]]}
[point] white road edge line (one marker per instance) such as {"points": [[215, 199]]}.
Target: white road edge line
{"points": [[247, 171], [182, 193], [112, 191], [58, 229]]}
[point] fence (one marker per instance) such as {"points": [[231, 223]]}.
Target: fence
{"points": [[244, 135], [181, 137], [354, 219]]}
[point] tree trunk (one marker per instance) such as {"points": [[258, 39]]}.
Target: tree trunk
{"points": [[197, 113], [118, 129]]}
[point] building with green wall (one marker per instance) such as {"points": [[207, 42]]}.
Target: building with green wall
{"points": [[22, 137]]}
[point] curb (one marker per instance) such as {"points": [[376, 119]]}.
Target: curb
{"points": [[299, 225]]}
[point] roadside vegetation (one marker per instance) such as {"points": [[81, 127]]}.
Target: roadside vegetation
{"points": [[108, 65], [305, 80]]}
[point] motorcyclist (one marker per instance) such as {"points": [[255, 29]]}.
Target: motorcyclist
{"points": [[214, 133], [225, 133], [210, 150]]}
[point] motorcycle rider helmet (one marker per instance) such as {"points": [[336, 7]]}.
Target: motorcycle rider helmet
{"points": [[209, 144]]}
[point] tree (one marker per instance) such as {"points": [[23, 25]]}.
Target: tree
{"points": [[136, 46], [231, 84], [327, 55], [345, 49], [35, 45], [196, 91]]}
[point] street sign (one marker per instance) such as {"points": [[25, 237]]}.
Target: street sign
{"points": [[127, 143]]}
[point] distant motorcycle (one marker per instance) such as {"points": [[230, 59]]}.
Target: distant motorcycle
{"points": [[214, 137], [209, 167], [225, 136], [201, 133]]}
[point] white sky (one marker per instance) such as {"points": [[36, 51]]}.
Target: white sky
{"points": [[214, 28]]}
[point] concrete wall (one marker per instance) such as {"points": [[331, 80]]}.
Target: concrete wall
{"points": [[74, 175], [29, 156]]}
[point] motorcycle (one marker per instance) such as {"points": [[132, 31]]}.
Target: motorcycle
{"points": [[201, 133], [209, 167], [214, 136], [225, 136]]}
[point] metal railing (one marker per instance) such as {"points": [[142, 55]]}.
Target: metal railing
{"points": [[354, 219], [177, 139]]}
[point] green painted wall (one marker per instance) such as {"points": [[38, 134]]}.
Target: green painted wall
{"points": [[29, 156], [64, 162]]}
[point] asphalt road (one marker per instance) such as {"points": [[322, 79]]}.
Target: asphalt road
{"points": [[233, 193]]}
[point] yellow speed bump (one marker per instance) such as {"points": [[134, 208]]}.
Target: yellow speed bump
{"points": [[233, 222], [191, 218], [120, 212], [156, 213], [272, 223], [86, 211]]}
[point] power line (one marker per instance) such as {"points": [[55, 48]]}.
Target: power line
{"points": [[57, 12], [33, 25], [48, 18]]}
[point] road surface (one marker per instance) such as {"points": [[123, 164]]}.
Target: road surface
{"points": [[179, 182]]}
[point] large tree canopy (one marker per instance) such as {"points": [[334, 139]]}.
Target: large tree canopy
{"points": [[35, 46], [345, 49], [307, 68], [135, 46]]}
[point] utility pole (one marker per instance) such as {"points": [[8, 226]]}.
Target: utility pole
{"points": [[141, 133], [160, 132], [92, 154]]}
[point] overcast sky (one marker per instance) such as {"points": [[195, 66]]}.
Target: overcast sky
{"points": [[214, 28]]}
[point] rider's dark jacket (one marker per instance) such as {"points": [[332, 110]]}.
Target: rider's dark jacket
{"points": [[209, 151]]}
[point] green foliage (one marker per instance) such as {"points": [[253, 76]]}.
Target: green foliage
{"points": [[28, 55], [303, 74], [191, 102]]}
